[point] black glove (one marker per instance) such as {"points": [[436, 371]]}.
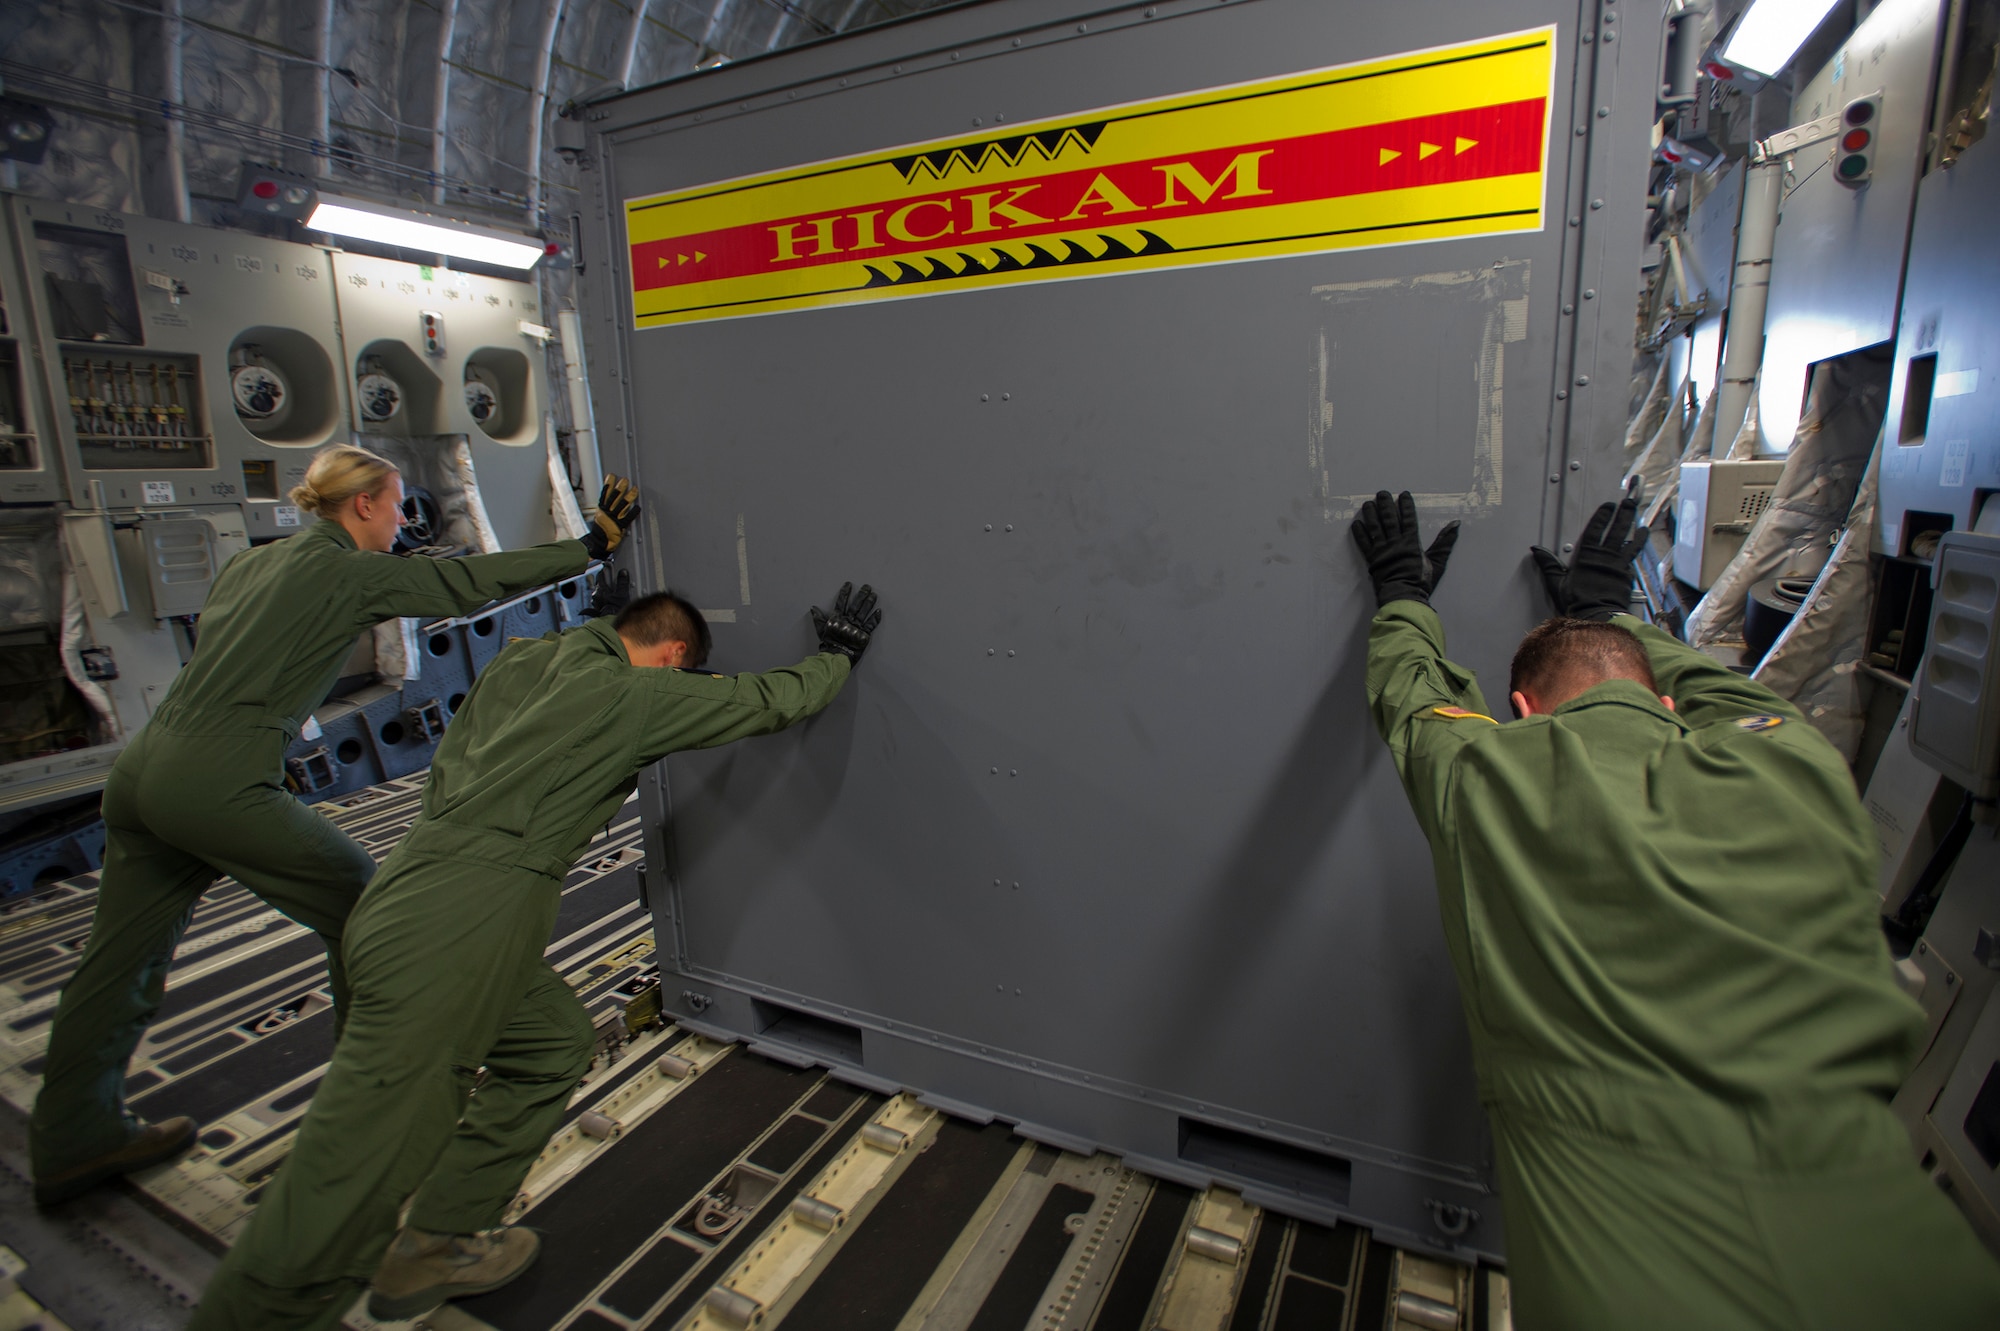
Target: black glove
{"points": [[1597, 584], [617, 510], [612, 595], [1403, 570], [847, 629]]}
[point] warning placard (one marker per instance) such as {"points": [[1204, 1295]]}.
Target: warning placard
{"points": [[1421, 146]]}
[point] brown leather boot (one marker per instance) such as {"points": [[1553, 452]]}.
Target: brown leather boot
{"points": [[421, 1270], [152, 1144]]}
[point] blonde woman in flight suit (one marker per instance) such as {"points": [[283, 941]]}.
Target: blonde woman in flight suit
{"points": [[200, 791]]}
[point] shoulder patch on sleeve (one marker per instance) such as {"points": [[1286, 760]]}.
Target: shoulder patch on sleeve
{"points": [[1758, 722], [1461, 714]]}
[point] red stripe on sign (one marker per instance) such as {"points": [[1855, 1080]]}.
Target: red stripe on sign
{"points": [[1475, 144]]}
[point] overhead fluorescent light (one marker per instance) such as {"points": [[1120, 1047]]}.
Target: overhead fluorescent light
{"points": [[1772, 32], [421, 231]]}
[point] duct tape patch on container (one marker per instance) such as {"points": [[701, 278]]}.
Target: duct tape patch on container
{"points": [[1429, 145]]}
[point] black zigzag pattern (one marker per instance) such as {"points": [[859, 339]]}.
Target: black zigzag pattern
{"points": [[974, 157], [1057, 254]]}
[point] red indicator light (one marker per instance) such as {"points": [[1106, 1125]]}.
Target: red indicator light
{"points": [[1855, 140], [265, 189], [552, 248], [1718, 71]]}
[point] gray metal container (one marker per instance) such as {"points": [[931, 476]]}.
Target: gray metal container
{"points": [[1100, 839]]}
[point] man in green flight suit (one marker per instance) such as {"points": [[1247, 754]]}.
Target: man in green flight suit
{"points": [[1658, 891], [444, 958]]}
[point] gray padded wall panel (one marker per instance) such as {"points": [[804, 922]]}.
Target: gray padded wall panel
{"points": [[1139, 695]]}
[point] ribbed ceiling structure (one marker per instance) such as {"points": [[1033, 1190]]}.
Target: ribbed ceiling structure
{"points": [[437, 103]]}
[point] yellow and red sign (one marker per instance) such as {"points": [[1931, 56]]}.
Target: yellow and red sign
{"points": [[1423, 146]]}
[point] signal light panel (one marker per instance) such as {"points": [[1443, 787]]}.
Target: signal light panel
{"points": [[1854, 153], [268, 191]]}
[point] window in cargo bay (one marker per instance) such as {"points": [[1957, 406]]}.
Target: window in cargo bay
{"points": [[89, 281], [1303, 164]]}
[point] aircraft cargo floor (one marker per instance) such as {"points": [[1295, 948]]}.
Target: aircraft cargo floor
{"points": [[694, 1184]]}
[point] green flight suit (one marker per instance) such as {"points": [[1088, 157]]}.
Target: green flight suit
{"points": [[200, 792], [445, 957], [1683, 1016]]}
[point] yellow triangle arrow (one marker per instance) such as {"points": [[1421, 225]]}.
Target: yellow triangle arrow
{"points": [[665, 261], [699, 256], [1388, 155], [684, 258], [1425, 150], [1463, 144]]}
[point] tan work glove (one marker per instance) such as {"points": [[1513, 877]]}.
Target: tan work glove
{"points": [[617, 510]]}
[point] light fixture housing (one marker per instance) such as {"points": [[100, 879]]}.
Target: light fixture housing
{"points": [[25, 130], [269, 191], [423, 232], [1771, 32]]}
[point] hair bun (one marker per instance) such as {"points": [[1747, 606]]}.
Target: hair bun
{"points": [[336, 475]]}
